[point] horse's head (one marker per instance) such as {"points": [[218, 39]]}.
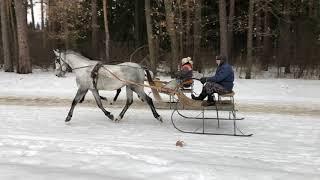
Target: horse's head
{"points": [[60, 63]]}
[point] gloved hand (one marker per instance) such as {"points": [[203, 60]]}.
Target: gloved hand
{"points": [[177, 75], [203, 80]]}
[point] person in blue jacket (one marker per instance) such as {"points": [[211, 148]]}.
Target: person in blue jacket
{"points": [[221, 82]]}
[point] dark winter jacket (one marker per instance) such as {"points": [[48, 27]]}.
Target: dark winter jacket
{"points": [[185, 73], [224, 76]]}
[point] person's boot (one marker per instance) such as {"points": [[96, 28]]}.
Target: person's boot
{"points": [[201, 97], [209, 102]]}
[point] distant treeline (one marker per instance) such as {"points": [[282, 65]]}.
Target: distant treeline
{"points": [[255, 34]]}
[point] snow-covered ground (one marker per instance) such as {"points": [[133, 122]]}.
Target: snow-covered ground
{"points": [[35, 143]]}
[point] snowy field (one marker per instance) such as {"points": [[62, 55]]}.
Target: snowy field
{"points": [[35, 143]]}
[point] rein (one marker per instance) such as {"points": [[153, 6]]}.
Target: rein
{"points": [[160, 89], [60, 59], [141, 85]]}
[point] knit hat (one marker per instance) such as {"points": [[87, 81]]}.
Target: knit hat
{"points": [[186, 60], [221, 58]]}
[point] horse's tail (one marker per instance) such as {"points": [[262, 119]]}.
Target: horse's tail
{"points": [[155, 93]]}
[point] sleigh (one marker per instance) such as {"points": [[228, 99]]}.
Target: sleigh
{"points": [[210, 120]]}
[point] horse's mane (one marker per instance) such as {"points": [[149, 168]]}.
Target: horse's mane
{"points": [[76, 54]]}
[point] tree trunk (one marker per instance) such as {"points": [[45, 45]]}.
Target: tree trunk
{"points": [[188, 28], [267, 41], [44, 38], [151, 43], [32, 14], [230, 30], [24, 62], [284, 55], [197, 35], [8, 65], [13, 28], [223, 28], [181, 29], [42, 14], [249, 41], [94, 33], [172, 33], [138, 22], [258, 32], [106, 28], [313, 8]]}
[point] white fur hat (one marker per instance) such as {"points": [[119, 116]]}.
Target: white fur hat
{"points": [[186, 60]]}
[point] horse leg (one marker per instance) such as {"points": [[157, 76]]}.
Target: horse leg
{"points": [[82, 99], [149, 101], [99, 103], [116, 96], [128, 103], [79, 96], [102, 97]]}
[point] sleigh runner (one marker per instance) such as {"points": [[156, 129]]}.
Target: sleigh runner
{"points": [[186, 104]]}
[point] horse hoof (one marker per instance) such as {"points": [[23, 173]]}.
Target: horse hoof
{"points": [[118, 119], [160, 119], [68, 118], [111, 117]]}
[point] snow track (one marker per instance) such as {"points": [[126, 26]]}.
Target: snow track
{"points": [[246, 106], [36, 144]]}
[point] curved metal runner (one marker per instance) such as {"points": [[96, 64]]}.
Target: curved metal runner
{"points": [[179, 106]]}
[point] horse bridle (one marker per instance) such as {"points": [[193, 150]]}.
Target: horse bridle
{"points": [[60, 59]]}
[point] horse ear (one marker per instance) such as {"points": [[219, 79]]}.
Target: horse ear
{"points": [[56, 52]]}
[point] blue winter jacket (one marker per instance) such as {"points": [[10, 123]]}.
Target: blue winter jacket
{"points": [[224, 76]]}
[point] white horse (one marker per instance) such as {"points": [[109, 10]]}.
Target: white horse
{"points": [[110, 78]]}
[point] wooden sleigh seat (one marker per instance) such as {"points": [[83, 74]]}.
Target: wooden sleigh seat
{"points": [[224, 103]]}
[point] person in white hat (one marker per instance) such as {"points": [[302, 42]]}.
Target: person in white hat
{"points": [[185, 72]]}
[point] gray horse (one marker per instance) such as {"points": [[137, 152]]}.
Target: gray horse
{"points": [[110, 78], [69, 69]]}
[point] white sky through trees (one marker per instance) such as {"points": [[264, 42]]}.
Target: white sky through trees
{"points": [[37, 12]]}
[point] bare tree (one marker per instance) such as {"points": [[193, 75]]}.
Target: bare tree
{"points": [[223, 28], [267, 40], [172, 33], [284, 56], [188, 26], [8, 65], [249, 40], [106, 27], [152, 54], [32, 14], [181, 28], [94, 26], [24, 62], [258, 32], [197, 35], [43, 29], [42, 14], [13, 28], [139, 26], [230, 29]]}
